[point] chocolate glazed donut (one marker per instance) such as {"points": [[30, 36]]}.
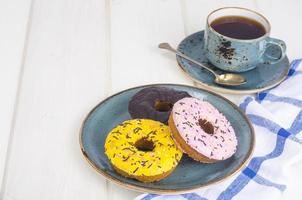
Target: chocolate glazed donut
{"points": [[154, 103]]}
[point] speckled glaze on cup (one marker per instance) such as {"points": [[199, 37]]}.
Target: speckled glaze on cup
{"points": [[237, 55]]}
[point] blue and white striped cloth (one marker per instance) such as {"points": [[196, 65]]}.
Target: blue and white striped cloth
{"points": [[277, 118]]}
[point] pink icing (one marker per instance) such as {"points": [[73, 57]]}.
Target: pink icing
{"points": [[220, 145]]}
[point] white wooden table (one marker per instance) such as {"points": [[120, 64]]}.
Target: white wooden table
{"points": [[59, 58]]}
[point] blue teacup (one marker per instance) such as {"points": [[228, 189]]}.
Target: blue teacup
{"points": [[235, 54]]}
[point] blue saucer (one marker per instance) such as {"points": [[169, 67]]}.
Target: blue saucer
{"points": [[263, 77], [189, 174]]}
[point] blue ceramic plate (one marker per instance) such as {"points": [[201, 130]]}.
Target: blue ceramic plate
{"points": [[189, 174], [263, 77]]}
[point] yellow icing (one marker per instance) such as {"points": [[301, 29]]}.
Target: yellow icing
{"points": [[120, 149]]}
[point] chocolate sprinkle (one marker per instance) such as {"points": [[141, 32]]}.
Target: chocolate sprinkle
{"points": [[117, 132], [151, 133], [127, 148], [202, 142], [137, 129], [125, 159], [135, 170], [125, 124]]}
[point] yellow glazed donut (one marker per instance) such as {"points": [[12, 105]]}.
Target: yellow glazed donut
{"points": [[142, 149]]}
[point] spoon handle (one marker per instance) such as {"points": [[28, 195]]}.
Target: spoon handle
{"points": [[169, 48]]}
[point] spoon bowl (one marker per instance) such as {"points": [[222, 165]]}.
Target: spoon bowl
{"points": [[230, 79]]}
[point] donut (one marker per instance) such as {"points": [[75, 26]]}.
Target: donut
{"points": [[142, 149], [201, 131], [154, 103]]}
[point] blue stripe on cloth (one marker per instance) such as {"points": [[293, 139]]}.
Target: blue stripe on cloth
{"points": [[295, 139], [263, 122], [261, 96], [282, 132], [293, 67], [275, 98], [263, 181], [296, 126], [275, 128], [297, 73], [192, 196], [149, 196], [248, 172], [245, 103], [234, 188]]}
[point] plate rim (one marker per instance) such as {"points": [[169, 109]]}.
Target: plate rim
{"points": [[159, 190], [206, 86]]}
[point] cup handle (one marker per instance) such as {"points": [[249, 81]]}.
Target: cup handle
{"points": [[281, 47]]}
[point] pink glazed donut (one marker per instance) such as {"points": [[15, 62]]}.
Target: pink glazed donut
{"points": [[201, 131]]}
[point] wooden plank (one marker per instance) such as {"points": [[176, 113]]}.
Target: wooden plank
{"points": [[137, 27], [14, 17], [65, 75]]}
